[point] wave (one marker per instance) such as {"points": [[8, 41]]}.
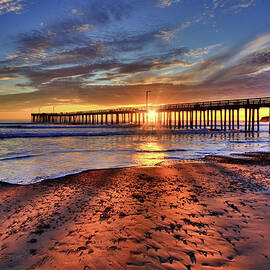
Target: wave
{"points": [[89, 151], [44, 135], [109, 133], [161, 151], [30, 126], [18, 157], [248, 142]]}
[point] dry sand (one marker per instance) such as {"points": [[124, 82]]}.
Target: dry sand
{"points": [[200, 215]]}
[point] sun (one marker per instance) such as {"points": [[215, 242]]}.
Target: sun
{"points": [[152, 116]]}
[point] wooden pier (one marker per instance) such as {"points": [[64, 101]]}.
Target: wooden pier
{"points": [[215, 115]]}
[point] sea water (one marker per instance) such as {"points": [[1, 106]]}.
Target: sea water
{"points": [[30, 153]]}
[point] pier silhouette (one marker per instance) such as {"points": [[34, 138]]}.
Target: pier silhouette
{"points": [[221, 115]]}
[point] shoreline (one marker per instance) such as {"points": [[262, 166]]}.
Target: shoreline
{"points": [[197, 215], [260, 158]]}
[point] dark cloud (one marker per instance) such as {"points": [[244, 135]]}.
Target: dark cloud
{"points": [[34, 41], [127, 43], [134, 67], [45, 55], [71, 92], [175, 53], [55, 83], [259, 58], [8, 70], [70, 49], [238, 62], [70, 33], [246, 67]]}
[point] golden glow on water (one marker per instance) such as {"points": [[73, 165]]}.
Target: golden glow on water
{"points": [[29, 160], [149, 153]]}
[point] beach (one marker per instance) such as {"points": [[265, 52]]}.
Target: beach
{"points": [[205, 214], [135, 135]]}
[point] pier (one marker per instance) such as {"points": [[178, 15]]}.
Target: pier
{"points": [[214, 115]]}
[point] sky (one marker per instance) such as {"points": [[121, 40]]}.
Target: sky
{"points": [[77, 55]]}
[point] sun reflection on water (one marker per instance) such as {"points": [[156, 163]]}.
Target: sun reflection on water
{"points": [[152, 116], [149, 153]]}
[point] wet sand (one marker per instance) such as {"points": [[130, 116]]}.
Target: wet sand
{"points": [[213, 214]]}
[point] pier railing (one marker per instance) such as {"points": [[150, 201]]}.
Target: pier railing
{"points": [[116, 110], [240, 103]]}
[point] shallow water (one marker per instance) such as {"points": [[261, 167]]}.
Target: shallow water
{"points": [[31, 153]]}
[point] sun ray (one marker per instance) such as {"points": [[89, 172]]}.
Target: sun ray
{"points": [[152, 116]]}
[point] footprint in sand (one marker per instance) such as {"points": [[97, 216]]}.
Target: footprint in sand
{"points": [[192, 256], [168, 259]]}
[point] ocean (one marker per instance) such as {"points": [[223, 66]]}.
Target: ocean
{"points": [[30, 153]]}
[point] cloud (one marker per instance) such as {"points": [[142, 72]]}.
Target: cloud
{"points": [[57, 51], [54, 57], [236, 63], [199, 52], [160, 65], [243, 4], [244, 60], [45, 58], [169, 35], [207, 15], [214, 7], [236, 71], [74, 11], [167, 3], [5, 78], [82, 59], [125, 42], [84, 27], [74, 33], [239, 62], [235, 5], [58, 93], [14, 6]]}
